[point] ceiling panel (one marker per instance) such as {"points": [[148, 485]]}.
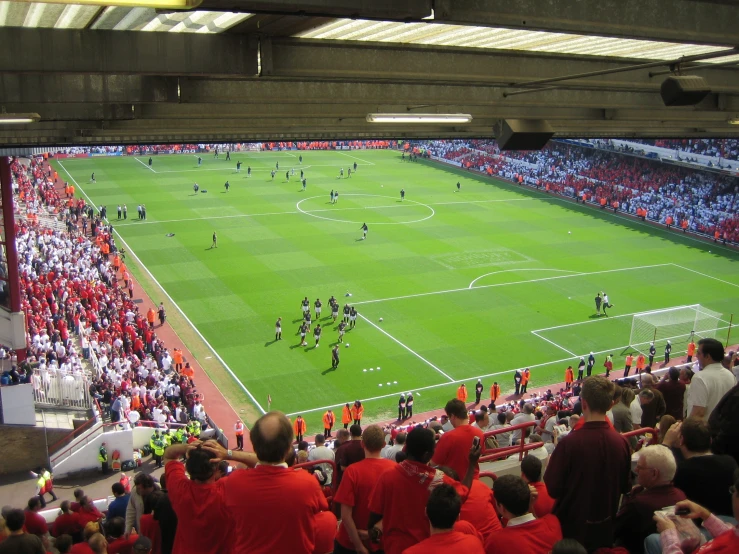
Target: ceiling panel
{"points": [[504, 39]]}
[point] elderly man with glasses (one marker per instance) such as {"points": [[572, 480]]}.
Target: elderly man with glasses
{"points": [[654, 490]]}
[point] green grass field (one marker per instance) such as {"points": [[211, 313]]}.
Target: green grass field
{"points": [[461, 280]]}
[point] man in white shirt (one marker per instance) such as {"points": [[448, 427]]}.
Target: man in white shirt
{"points": [[321, 452], [527, 414], [711, 383], [390, 451]]}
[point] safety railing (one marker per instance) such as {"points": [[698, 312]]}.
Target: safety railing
{"points": [[654, 439], [59, 390], [492, 454], [315, 463]]}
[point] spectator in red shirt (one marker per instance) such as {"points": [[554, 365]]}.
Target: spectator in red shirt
{"points": [[443, 509], [453, 448], [198, 501], [274, 508], [354, 493], [35, 523], [88, 512], [524, 533], [78, 494], [117, 542], [400, 495], [67, 523], [531, 474], [479, 507]]}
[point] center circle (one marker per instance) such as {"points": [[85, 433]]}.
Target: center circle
{"points": [[313, 214]]}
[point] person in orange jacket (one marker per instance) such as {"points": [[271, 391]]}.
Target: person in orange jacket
{"points": [[525, 376], [346, 416], [494, 392], [357, 412], [300, 428], [462, 393], [328, 422], [640, 363], [569, 377]]}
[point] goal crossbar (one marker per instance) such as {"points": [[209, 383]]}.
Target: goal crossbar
{"points": [[677, 324]]}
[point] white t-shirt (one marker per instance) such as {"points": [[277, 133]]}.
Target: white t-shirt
{"points": [[708, 386]]}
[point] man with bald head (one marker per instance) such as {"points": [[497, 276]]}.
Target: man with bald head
{"points": [[273, 508]]}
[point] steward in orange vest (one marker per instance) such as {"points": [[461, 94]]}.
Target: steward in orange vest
{"points": [[346, 416], [328, 422]]}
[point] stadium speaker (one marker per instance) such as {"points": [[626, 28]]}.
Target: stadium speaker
{"points": [[687, 90], [522, 134]]}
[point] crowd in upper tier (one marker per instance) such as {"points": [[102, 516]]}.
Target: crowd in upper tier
{"points": [[669, 194]]}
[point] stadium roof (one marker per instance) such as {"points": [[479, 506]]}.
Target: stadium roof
{"points": [[236, 70]]}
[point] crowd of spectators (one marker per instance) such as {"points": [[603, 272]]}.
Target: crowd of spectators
{"points": [[717, 148], [75, 283], [415, 488], [669, 194]]}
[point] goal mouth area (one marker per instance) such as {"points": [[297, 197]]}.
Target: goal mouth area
{"points": [[678, 325]]}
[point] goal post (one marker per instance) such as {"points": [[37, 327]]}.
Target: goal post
{"points": [[677, 325]]}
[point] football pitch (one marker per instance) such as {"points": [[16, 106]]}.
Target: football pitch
{"points": [[450, 286]]}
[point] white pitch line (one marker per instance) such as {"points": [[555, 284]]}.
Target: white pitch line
{"points": [[203, 218], [553, 343], [171, 300], [465, 380], [607, 318], [416, 354], [706, 275], [585, 274], [233, 169], [360, 159], [142, 163], [510, 270]]}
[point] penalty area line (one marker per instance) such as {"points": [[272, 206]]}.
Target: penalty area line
{"points": [[416, 354]]}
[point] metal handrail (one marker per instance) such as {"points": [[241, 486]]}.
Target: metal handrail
{"points": [[643, 431], [314, 463]]}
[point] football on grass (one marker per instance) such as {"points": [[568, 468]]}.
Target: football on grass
{"points": [[380, 319], [347, 345]]}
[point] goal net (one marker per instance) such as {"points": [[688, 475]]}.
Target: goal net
{"points": [[674, 324]]}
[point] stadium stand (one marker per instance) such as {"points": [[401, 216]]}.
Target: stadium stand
{"points": [[74, 287], [669, 194]]}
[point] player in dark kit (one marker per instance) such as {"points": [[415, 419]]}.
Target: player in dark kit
{"points": [[598, 301], [238, 166], [355, 167], [305, 305], [278, 329], [200, 161], [215, 240], [317, 334], [306, 318], [287, 176], [300, 159], [303, 329], [227, 186], [92, 178], [402, 194], [347, 309], [364, 229], [342, 328], [352, 317], [317, 304], [478, 391], [248, 171], [591, 363], [334, 357], [580, 369], [652, 353], [459, 186], [228, 155], [334, 309], [150, 161]]}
